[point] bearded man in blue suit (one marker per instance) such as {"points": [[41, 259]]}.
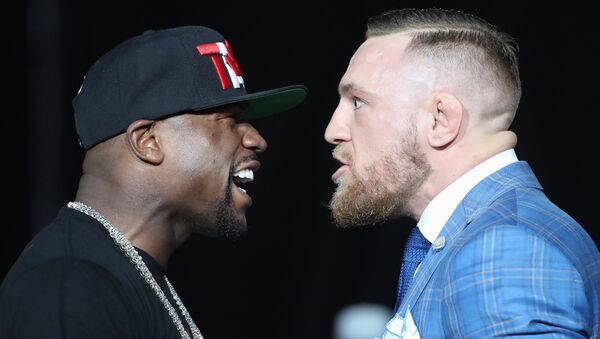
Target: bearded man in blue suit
{"points": [[422, 130]]}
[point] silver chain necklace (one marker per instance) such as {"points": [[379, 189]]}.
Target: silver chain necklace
{"points": [[136, 259]]}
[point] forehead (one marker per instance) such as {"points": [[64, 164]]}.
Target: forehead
{"points": [[206, 119], [381, 66], [376, 57], [234, 108]]}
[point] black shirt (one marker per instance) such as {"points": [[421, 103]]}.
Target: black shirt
{"points": [[73, 281]]}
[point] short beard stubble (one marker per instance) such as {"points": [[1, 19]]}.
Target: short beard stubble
{"points": [[387, 189]]}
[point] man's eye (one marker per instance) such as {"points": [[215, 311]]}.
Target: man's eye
{"points": [[358, 103]]}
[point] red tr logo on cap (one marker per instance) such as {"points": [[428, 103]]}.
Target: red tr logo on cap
{"points": [[227, 68]]}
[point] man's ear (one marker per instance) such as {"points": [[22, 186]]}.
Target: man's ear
{"points": [[446, 119], [143, 141]]}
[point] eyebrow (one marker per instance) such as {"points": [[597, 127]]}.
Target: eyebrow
{"points": [[352, 87]]}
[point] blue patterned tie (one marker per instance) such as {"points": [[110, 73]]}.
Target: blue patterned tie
{"points": [[415, 250]]}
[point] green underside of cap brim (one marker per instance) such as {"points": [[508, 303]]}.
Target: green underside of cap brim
{"points": [[263, 104]]}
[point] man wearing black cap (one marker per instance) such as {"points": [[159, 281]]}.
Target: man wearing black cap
{"points": [[162, 118]]}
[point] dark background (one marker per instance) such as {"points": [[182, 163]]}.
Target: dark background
{"points": [[294, 271]]}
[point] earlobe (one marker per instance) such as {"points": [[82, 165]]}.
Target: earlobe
{"points": [[447, 117], [144, 143]]}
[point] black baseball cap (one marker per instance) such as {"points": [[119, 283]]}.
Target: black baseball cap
{"points": [[162, 73]]}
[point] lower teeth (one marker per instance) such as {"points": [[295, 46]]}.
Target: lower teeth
{"points": [[241, 189]]}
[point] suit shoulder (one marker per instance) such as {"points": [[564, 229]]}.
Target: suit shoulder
{"points": [[521, 225], [529, 210]]}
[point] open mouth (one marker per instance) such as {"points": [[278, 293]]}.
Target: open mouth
{"points": [[344, 166], [243, 177]]}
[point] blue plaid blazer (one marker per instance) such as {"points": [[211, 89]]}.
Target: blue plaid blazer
{"points": [[514, 264]]}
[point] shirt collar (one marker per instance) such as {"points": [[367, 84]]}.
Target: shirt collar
{"points": [[439, 210]]}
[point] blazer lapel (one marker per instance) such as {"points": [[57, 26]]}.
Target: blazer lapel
{"points": [[456, 223], [518, 174]]}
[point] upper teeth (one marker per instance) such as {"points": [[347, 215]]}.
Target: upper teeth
{"points": [[246, 175]]}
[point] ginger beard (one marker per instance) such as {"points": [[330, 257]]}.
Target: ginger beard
{"points": [[383, 189]]}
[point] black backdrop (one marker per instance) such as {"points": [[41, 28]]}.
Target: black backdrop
{"points": [[294, 271]]}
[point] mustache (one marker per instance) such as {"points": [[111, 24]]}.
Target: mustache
{"points": [[342, 153], [244, 159]]}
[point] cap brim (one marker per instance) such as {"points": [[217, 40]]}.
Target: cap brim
{"points": [[265, 103]]}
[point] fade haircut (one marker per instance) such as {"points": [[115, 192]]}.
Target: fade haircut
{"points": [[465, 42]]}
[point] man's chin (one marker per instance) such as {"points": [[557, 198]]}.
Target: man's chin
{"points": [[231, 227], [234, 234], [361, 204]]}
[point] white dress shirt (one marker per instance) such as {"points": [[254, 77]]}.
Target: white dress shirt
{"points": [[435, 216], [439, 210]]}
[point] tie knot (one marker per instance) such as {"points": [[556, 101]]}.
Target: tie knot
{"points": [[416, 239], [415, 250], [416, 246]]}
